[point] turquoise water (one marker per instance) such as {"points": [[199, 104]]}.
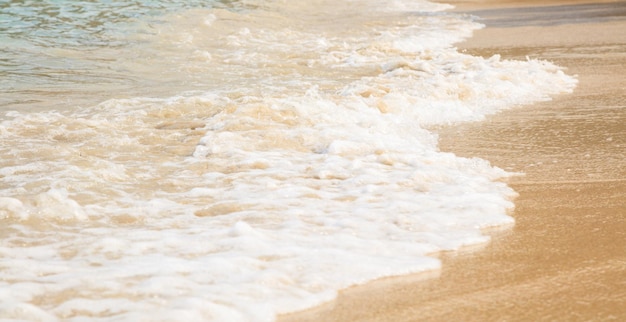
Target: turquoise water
{"points": [[51, 48]]}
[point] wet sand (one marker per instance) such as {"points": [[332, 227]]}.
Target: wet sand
{"points": [[565, 259]]}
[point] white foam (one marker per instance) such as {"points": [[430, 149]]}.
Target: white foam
{"points": [[304, 168]]}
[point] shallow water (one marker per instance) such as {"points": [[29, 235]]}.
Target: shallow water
{"points": [[232, 161]]}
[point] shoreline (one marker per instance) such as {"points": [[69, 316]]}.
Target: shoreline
{"points": [[564, 258]]}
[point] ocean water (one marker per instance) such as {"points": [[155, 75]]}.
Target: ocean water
{"points": [[234, 160]]}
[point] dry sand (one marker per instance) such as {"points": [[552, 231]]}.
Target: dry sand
{"points": [[565, 259]]}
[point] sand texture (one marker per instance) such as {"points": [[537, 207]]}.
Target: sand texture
{"points": [[565, 259]]}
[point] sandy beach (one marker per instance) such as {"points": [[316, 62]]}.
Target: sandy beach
{"points": [[565, 258]]}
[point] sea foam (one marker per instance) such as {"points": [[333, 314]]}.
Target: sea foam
{"points": [[294, 161]]}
